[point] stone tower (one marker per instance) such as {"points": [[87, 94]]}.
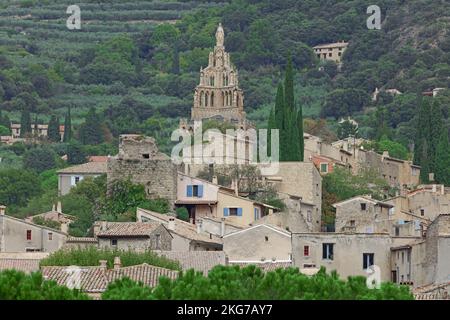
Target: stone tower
{"points": [[218, 95]]}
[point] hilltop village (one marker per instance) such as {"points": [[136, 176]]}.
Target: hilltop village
{"points": [[406, 235]]}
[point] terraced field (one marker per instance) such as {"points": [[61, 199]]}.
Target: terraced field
{"points": [[35, 33]]}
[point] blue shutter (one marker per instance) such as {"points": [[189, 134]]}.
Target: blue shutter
{"points": [[226, 212], [256, 213], [200, 190], [189, 191], [239, 212]]}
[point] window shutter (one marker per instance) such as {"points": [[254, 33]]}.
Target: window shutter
{"points": [[189, 191], [256, 216], [200, 191], [226, 212], [72, 180], [239, 212]]}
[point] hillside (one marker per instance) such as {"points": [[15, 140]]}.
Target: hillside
{"points": [[137, 62]]}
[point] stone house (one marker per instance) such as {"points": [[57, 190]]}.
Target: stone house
{"points": [[135, 236], [426, 202], [205, 199], [425, 261], [348, 254], [299, 184], [258, 244], [69, 177], [362, 214], [140, 161], [40, 130], [55, 215], [17, 235], [331, 51], [186, 236]]}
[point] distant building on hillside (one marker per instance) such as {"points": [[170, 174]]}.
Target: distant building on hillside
{"points": [[331, 51], [69, 177], [39, 130]]}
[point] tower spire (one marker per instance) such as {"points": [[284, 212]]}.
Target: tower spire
{"points": [[219, 36]]}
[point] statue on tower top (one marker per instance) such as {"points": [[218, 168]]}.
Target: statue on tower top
{"points": [[219, 36]]}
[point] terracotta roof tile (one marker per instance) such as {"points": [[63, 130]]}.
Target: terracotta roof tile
{"points": [[90, 167], [96, 279], [25, 265], [128, 229], [202, 261]]}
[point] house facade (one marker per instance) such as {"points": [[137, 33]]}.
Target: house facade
{"points": [[17, 235], [69, 177], [258, 244], [134, 236], [331, 51]]}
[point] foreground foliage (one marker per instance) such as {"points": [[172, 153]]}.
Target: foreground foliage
{"points": [[234, 283], [91, 256], [16, 285]]}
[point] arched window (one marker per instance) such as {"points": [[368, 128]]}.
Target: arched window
{"points": [[202, 99], [206, 99], [212, 99], [223, 98], [211, 81]]}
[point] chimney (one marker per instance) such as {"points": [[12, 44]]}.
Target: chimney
{"points": [[59, 207], [199, 225], [2, 210], [215, 180], [117, 263], [103, 265], [171, 225], [431, 177], [54, 207], [222, 227], [103, 226]]}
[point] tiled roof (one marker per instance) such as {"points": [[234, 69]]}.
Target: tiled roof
{"points": [[81, 240], [332, 45], [182, 228], [128, 229], [96, 279], [265, 266], [25, 265], [90, 167], [202, 261], [54, 216]]}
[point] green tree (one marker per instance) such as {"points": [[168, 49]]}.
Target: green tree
{"points": [[346, 129], [75, 153], [16, 285], [90, 131], [17, 186], [182, 213], [301, 140], [289, 99], [25, 124], [442, 169], [423, 124], [53, 129], [251, 282], [4, 131], [68, 127]]}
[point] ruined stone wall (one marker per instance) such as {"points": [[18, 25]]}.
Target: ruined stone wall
{"points": [[159, 177]]}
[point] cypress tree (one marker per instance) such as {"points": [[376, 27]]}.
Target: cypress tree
{"points": [[294, 152], [25, 124], [424, 162], [442, 170], [91, 131], [301, 142], [422, 129], [67, 127], [435, 133], [53, 129], [279, 108], [289, 86], [271, 125]]}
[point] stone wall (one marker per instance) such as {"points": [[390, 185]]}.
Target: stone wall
{"points": [[139, 161]]}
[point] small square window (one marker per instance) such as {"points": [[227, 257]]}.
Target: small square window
{"points": [[368, 259], [77, 179], [50, 236], [114, 242], [327, 251], [146, 155], [352, 223], [363, 206], [28, 234], [233, 211], [422, 212]]}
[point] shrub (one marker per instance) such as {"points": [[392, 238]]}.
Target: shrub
{"points": [[91, 256], [182, 213]]}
